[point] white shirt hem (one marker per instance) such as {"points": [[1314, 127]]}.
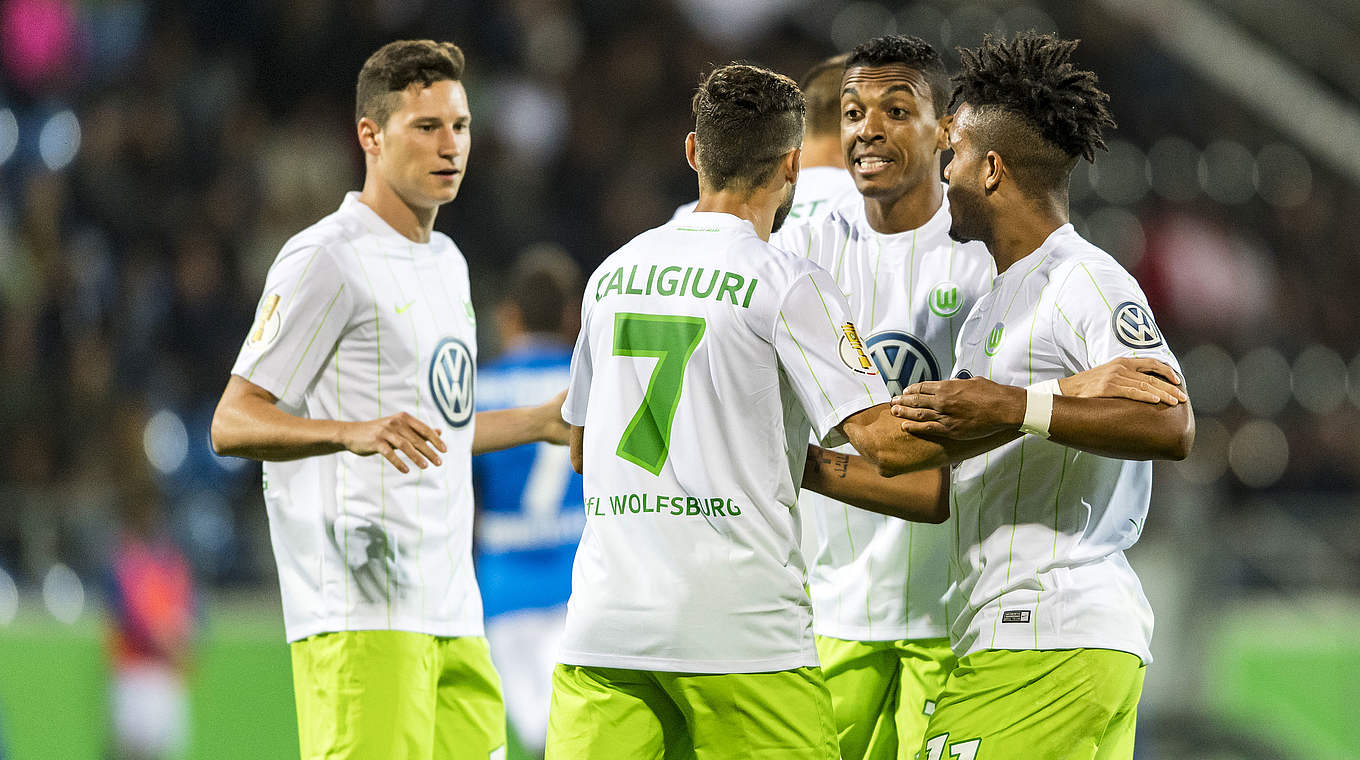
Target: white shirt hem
{"points": [[806, 659], [361, 623]]}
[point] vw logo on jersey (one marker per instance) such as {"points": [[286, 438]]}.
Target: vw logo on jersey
{"points": [[1133, 326], [903, 359], [452, 375]]}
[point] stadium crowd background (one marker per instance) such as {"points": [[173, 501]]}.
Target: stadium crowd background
{"points": [[155, 155]]}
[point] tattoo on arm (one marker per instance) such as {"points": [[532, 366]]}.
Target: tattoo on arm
{"points": [[839, 463]]}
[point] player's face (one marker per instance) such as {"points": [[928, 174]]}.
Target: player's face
{"points": [[424, 146], [970, 215], [890, 132]]}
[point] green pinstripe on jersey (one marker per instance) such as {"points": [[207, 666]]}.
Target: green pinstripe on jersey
{"points": [[420, 474], [382, 471], [803, 353], [832, 322], [319, 324], [315, 252]]}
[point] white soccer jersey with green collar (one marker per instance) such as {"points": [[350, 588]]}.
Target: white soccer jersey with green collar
{"points": [[877, 578], [1040, 529], [358, 322], [704, 359]]}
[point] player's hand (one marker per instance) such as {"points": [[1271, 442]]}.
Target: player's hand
{"points": [[959, 409], [555, 430], [1140, 379], [397, 433]]}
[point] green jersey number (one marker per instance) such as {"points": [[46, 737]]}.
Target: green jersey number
{"points": [[671, 340]]}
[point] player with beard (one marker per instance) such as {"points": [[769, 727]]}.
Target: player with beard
{"points": [[705, 358], [1050, 622], [878, 584]]}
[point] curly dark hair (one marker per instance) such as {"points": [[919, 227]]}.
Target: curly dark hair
{"points": [[745, 119], [1032, 76], [912, 52], [396, 66]]}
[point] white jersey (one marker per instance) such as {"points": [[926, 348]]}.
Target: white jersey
{"points": [[1040, 528], [820, 190], [704, 359], [878, 578], [358, 322]]}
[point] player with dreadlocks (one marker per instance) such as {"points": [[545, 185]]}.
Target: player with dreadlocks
{"points": [[1048, 619]]}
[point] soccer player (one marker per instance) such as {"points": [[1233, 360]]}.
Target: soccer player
{"points": [[877, 582], [705, 356], [364, 343], [1050, 623], [823, 182], [529, 497]]}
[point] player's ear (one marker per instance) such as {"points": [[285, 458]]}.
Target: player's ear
{"points": [[942, 132], [690, 149], [370, 136], [993, 167], [793, 161]]}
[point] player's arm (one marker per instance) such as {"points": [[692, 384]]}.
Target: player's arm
{"points": [[918, 496], [1137, 378], [248, 423], [1122, 428], [888, 443], [577, 444], [505, 428]]}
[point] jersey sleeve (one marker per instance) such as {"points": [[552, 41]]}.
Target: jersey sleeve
{"points": [[306, 306], [1101, 314], [582, 368], [822, 355]]}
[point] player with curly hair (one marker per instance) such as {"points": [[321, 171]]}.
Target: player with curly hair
{"points": [[1049, 620]]}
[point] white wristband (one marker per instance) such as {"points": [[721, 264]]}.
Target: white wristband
{"points": [[1051, 386], [1038, 409]]}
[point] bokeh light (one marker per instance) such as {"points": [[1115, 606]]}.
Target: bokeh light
{"points": [[1208, 459], [9, 598], [1173, 168], [1211, 377], [1283, 175], [1121, 174], [59, 140], [1319, 379], [9, 134], [1258, 453], [63, 593], [165, 441], [1263, 381], [1227, 172]]}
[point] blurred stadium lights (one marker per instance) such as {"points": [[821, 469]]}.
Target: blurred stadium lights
{"points": [[1227, 172], [1172, 168], [63, 593], [165, 441], [1263, 381], [1208, 458], [1118, 231], [1319, 379], [1283, 175], [857, 22], [1120, 177], [1279, 91], [59, 140], [1258, 453], [970, 23], [925, 21], [9, 134], [1211, 377], [9, 598]]}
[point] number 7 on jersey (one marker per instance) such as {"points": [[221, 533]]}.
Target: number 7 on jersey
{"points": [[671, 339]]}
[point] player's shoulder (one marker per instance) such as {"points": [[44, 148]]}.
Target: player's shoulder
{"points": [[1073, 254]]}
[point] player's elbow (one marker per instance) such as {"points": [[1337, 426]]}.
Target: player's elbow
{"points": [[1182, 443], [218, 435]]}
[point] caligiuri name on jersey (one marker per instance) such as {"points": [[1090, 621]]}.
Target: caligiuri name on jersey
{"points": [[673, 280]]}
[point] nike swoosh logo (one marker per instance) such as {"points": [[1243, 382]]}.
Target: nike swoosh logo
{"points": [[403, 309]]}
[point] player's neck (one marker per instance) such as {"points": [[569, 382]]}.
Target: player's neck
{"points": [[413, 223], [823, 151], [1020, 233], [908, 211], [755, 208]]}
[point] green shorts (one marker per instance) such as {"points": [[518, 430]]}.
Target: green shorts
{"points": [[396, 694], [1065, 704], [610, 713], [882, 692]]}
